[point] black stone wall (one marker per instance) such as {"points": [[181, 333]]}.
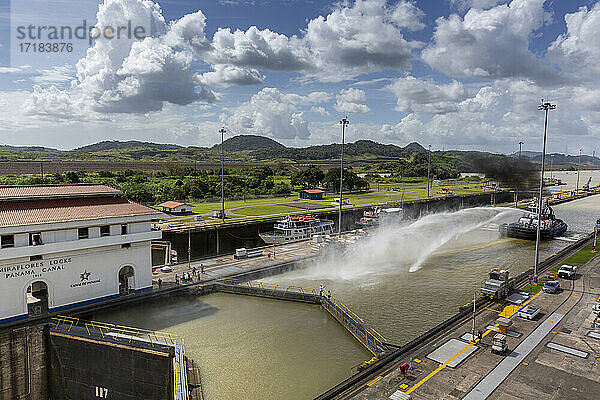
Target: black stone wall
{"points": [[85, 369]]}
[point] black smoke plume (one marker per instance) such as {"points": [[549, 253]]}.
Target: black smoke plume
{"points": [[509, 172]]}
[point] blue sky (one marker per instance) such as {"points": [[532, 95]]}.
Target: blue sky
{"points": [[460, 74]]}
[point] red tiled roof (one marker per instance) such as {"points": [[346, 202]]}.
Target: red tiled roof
{"points": [[313, 191], [62, 191], [15, 213], [171, 204]]}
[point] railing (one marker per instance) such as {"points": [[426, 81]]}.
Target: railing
{"points": [[369, 337], [262, 289], [117, 332]]}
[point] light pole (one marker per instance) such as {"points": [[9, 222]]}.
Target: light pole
{"points": [[344, 122], [520, 144], [222, 132], [578, 168], [516, 187], [428, 168], [542, 107], [551, 165]]}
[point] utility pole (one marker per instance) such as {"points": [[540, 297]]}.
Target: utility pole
{"points": [[222, 132], [428, 168], [542, 107], [190, 247], [578, 168], [344, 122]]}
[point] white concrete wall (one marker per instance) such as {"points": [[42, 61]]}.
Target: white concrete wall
{"points": [[62, 273], [138, 227]]}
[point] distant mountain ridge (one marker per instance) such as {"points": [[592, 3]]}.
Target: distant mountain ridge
{"points": [[109, 145], [248, 142], [7, 147], [559, 158]]}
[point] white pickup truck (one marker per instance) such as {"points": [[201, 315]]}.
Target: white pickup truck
{"points": [[566, 271]]}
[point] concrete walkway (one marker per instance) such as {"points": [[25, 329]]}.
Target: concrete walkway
{"points": [[495, 378]]}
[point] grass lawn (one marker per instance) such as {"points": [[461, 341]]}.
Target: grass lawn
{"points": [[204, 208], [581, 257], [266, 210], [268, 206], [533, 289]]}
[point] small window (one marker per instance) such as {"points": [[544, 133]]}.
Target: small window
{"points": [[8, 241], [124, 229], [35, 239], [35, 258], [105, 230], [126, 245], [83, 233]]}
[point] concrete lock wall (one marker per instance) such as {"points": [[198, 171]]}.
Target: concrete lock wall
{"points": [[23, 368], [82, 369], [204, 239], [73, 278]]}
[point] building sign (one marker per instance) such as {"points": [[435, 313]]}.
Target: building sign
{"points": [[35, 269], [85, 280]]}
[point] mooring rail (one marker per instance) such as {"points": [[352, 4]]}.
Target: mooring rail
{"points": [[368, 337]]}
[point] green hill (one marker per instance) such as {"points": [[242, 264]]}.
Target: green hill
{"points": [[249, 142], [115, 145]]}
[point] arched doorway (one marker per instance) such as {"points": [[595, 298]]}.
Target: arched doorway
{"points": [[37, 298], [126, 279]]}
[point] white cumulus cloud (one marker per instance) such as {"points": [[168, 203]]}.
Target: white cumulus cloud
{"points": [[420, 95], [231, 75], [492, 43], [127, 75], [578, 50], [273, 113], [352, 101]]}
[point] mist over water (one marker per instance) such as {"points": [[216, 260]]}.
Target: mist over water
{"points": [[397, 247]]}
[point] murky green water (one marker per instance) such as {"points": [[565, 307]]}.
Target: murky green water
{"points": [[251, 348]]}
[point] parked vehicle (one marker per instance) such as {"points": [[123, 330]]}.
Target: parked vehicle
{"points": [[551, 287], [567, 272], [166, 269]]}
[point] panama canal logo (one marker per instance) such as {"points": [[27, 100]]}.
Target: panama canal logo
{"points": [[85, 276], [85, 280]]}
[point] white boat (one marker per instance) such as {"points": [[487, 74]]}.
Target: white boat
{"points": [[292, 229], [375, 216]]}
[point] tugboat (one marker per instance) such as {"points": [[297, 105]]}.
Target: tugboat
{"points": [[526, 226], [292, 229], [374, 217]]}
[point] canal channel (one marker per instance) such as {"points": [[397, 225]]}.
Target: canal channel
{"points": [[404, 279]]}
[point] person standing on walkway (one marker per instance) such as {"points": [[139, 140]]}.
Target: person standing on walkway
{"points": [[159, 283], [176, 279], [321, 290]]}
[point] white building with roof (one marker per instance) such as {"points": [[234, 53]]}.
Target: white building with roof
{"points": [[175, 207], [63, 246]]}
